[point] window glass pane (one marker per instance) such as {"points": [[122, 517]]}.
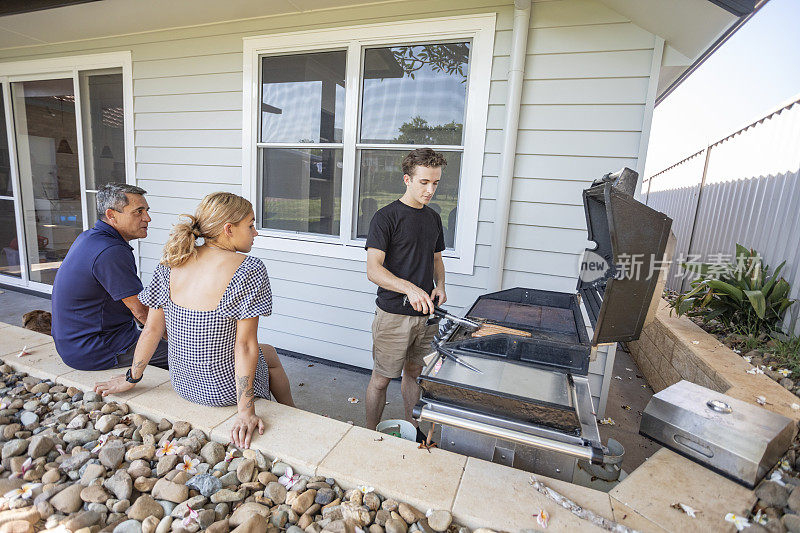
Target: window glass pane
{"points": [[302, 97], [9, 246], [381, 182], [301, 189], [6, 186], [415, 94], [103, 125], [47, 148], [91, 208]]}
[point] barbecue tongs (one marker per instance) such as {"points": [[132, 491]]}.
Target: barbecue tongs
{"points": [[446, 352], [464, 322], [441, 313]]}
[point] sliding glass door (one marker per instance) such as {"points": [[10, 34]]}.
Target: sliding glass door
{"points": [[63, 138]]}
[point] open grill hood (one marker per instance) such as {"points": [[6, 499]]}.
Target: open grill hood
{"points": [[631, 240]]}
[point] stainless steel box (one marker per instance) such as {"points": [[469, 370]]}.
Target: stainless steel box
{"points": [[734, 438]]}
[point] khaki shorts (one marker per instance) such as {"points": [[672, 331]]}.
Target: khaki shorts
{"points": [[398, 340]]}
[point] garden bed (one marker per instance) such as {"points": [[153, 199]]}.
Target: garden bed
{"points": [[778, 356]]}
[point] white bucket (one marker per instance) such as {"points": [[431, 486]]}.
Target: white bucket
{"points": [[398, 428]]}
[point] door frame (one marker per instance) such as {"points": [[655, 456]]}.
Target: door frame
{"points": [[64, 67]]}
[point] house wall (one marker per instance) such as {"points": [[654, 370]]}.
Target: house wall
{"points": [[583, 111]]}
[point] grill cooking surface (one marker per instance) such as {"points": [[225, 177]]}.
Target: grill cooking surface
{"points": [[526, 374], [528, 317]]}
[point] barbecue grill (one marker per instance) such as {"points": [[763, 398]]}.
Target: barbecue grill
{"points": [[527, 402]]}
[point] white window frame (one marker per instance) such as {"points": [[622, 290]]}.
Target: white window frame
{"points": [[65, 67], [479, 29]]}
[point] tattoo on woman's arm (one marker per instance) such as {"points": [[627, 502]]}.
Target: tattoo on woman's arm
{"points": [[242, 390], [250, 393], [241, 385]]}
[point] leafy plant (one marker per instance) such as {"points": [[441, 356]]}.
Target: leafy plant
{"points": [[741, 295]]}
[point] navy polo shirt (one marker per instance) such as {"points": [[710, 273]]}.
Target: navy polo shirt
{"points": [[91, 324]]}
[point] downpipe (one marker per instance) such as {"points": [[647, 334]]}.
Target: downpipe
{"points": [[522, 19]]}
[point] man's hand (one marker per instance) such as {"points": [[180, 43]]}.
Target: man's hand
{"points": [[243, 429], [438, 296], [419, 300], [115, 385]]}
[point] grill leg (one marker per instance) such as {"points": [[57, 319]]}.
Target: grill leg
{"points": [[428, 444]]}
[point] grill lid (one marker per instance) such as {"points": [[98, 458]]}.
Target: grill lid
{"points": [[618, 278]]}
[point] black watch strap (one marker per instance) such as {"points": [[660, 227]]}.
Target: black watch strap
{"points": [[130, 379]]}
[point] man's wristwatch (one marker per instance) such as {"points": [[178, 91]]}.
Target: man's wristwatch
{"points": [[130, 379]]}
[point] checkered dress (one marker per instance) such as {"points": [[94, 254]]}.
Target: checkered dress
{"points": [[201, 361]]}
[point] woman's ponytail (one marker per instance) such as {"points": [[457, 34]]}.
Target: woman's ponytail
{"points": [[208, 222], [181, 245]]}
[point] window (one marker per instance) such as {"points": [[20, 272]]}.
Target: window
{"points": [[65, 131], [330, 114], [300, 148]]}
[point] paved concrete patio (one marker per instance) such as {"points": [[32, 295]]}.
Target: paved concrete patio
{"points": [[14, 304]]}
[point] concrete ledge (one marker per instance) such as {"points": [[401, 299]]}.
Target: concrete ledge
{"points": [[43, 361], [163, 402], [399, 467], [485, 482], [643, 500], [81, 379], [628, 517], [672, 348], [299, 438]]}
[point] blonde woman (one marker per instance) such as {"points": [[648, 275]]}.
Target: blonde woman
{"points": [[208, 299]]}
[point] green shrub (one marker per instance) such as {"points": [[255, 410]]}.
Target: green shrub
{"points": [[741, 295]]}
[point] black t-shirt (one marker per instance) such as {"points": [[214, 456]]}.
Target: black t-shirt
{"points": [[409, 237]]}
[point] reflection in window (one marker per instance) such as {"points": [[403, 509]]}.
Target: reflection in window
{"points": [[381, 182], [47, 145], [104, 135], [9, 245], [302, 98], [412, 95], [415, 94], [301, 189]]}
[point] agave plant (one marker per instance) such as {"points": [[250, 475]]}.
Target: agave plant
{"points": [[742, 294]]}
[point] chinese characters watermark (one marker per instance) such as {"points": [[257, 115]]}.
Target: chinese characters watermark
{"points": [[594, 268]]}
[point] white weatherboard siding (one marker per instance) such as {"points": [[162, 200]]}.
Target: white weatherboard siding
{"points": [[583, 106]]}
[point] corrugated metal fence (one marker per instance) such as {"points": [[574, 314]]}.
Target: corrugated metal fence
{"points": [[742, 189]]}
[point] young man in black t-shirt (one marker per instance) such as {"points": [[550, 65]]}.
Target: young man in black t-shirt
{"points": [[404, 258]]}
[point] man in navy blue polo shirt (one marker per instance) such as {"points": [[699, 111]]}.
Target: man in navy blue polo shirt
{"points": [[96, 287]]}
